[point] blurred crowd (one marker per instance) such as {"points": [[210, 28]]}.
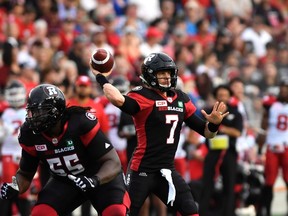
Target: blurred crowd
{"points": [[243, 43]]}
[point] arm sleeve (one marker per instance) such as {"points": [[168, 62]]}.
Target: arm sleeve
{"points": [[130, 106], [28, 163], [196, 123]]}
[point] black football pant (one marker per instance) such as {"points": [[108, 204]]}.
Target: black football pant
{"points": [[142, 184], [227, 162]]}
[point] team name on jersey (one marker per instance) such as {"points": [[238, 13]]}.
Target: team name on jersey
{"points": [[65, 149], [177, 109]]}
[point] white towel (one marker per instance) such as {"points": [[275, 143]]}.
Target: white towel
{"points": [[166, 173]]}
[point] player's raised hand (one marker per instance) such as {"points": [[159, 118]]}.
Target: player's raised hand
{"points": [[217, 114], [83, 182], [9, 190]]}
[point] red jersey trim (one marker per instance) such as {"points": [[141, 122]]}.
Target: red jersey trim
{"points": [[142, 101], [146, 107], [190, 109], [29, 149], [142, 140], [60, 136], [86, 138]]}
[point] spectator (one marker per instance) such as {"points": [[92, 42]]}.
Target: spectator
{"points": [[257, 35], [76, 54], [273, 17], [99, 40], [9, 61], [152, 43], [193, 13], [131, 19], [83, 97], [67, 9], [282, 61]]}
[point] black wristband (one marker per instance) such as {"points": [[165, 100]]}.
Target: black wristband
{"points": [[213, 127], [101, 80]]}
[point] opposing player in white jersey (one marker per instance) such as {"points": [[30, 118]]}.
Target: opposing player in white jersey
{"points": [[275, 122], [12, 118], [113, 114]]}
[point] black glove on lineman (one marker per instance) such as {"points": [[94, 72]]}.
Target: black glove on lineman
{"points": [[84, 183], [9, 190]]}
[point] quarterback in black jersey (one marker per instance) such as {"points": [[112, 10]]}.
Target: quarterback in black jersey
{"points": [[158, 111], [82, 161]]}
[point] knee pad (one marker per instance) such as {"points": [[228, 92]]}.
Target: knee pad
{"points": [[43, 210], [115, 210], [189, 207]]}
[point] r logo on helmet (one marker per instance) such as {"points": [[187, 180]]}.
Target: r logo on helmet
{"points": [[51, 91], [149, 58]]}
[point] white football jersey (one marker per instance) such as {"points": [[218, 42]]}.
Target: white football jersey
{"points": [[277, 133], [113, 114], [12, 120]]}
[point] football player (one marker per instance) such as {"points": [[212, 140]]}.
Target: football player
{"points": [[12, 118], [275, 125], [82, 161], [159, 110]]}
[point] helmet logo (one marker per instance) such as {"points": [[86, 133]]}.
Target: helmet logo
{"points": [[149, 58], [51, 91]]}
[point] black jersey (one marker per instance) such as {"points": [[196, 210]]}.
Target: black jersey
{"points": [[158, 124], [75, 151]]}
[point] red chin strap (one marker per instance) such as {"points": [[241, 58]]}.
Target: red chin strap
{"points": [[43, 210]]}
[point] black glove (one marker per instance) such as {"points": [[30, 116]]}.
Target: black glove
{"points": [[9, 190], [84, 183]]}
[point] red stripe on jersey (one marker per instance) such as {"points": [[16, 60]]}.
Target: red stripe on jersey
{"points": [[146, 106], [142, 101], [29, 149], [141, 137], [190, 109], [60, 136], [86, 138]]}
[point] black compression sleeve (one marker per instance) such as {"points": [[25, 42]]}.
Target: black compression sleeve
{"points": [[196, 123], [130, 106], [28, 163]]}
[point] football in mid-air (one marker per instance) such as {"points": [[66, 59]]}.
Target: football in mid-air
{"points": [[102, 60]]}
